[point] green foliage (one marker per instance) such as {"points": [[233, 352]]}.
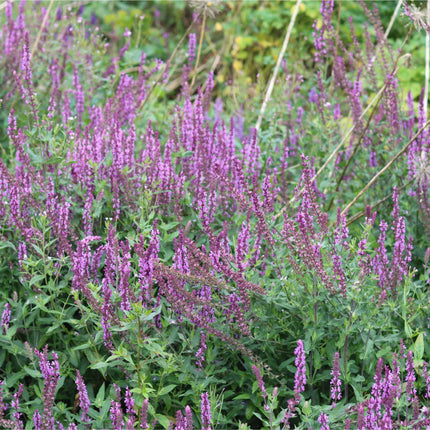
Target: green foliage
{"points": [[153, 350]]}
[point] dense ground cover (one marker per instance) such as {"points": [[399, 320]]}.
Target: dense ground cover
{"points": [[183, 248]]}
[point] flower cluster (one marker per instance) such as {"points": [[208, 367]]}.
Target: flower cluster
{"points": [[300, 376], [51, 375]]}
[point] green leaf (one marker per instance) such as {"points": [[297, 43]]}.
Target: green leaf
{"points": [[36, 279], [166, 389], [38, 250], [242, 396], [168, 226], [100, 396], [357, 392], [163, 420], [154, 347], [103, 365], [408, 329], [83, 346], [33, 372], [419, 347], [7, 245]]}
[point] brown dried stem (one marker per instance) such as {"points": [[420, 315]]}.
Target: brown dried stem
{"points": [[385, 168]]}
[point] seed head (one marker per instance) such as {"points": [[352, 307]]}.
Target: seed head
{"points": [[417, 16], [210, 8]]}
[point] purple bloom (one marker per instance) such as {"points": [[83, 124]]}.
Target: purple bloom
{"points": [[242, 247], [427, 379], [129, 404], [188, 418], [84, 401], [337, 113], [200, 355], [300, 376], [144, 415], [206, 412], [184, 422], [51, 375], [93, 19], [313, 95], [179, 418], [37, 420], [289, 413], [116, 414], [410, 377], [5, 318], [323, 420], [259, 378], [191, 48], [15, 405], [335, 382]]}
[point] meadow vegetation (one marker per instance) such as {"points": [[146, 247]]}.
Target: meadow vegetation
{"points": [[214, 215]]}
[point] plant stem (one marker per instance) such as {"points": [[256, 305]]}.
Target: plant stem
{"points": [[45, 18], [379, 202], [385, 168], [202, 32], [278, 64], [356, 146], [342, 142], [155, 83], [387, 31], [427, 71]]}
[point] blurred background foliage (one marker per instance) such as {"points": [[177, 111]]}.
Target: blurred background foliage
{"points": [[242, 42]]}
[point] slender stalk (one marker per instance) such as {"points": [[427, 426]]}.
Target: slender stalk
{"points": [[336, 43], [226, 46], [364, 356], [393, 18], [387, 32], [336, 150], [345, 138], [202, 32], [378, 203], [278, 64], [315, 297], [345, 366], [356, 146], [385, 168], [360, 139], [143, 103], [427, 71], [45, 19]]}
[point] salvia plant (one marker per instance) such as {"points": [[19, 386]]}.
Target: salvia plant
{"points": [[185, 253]]}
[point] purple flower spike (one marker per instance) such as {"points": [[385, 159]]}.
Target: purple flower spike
{"points": [[410, 376], [335, 382], [300, 377], [5, 318], [84, 401], [259, 378], [144, 415], [51, 374], [191, 48], [206, 412], [323, 420]]}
